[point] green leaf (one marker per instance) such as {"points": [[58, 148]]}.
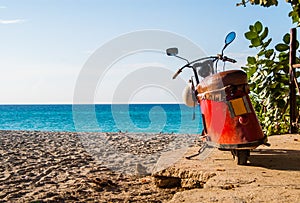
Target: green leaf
{"points": [[251, 28], [255, 42], [283, 57], [251, 60], [266, 44], [258, 27], [272, 3], [269, 53], [261, 53], [264, 34], [252, 70], [294, 15], [265, 3], [286, 38], [281, 103], [281, 47], [286, 69], [271, 62], [251, 35]]}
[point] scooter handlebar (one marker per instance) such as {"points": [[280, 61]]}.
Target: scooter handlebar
{"points": [[225, 58], [219, 56]]}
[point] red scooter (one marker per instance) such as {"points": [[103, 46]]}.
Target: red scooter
{"points": [[229, 120]]}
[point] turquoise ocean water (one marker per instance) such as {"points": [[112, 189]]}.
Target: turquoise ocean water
{"points": [[154, 118]]}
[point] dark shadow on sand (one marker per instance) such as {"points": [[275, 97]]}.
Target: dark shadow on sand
{"points": [[277, 159]]}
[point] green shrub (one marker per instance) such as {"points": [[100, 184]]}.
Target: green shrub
{"points": [[268, 74]]}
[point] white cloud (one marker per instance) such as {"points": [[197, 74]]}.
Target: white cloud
{"points": [[2, 7], [15, 21]]}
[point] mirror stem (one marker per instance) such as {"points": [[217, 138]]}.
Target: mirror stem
{"points": [[222, 53], [183, 59]]}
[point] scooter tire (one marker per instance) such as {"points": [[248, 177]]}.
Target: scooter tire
{"points": [[242, 156]]}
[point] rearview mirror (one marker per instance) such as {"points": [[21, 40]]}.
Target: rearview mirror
{"points": [[229, 38], [172, 51]]}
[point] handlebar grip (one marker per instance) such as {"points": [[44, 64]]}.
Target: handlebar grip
{"points": [[176, 74], [225, 58]]}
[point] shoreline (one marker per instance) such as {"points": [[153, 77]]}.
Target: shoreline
{"points": [[101, 132]]}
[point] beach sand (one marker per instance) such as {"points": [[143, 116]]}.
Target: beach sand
{"points": [[63, 167], [54, 166]]}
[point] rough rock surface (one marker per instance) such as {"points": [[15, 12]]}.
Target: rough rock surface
{"points": [[271, 175], [184, 178]]}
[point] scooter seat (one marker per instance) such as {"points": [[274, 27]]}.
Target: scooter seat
{"points": [[221, 80]]}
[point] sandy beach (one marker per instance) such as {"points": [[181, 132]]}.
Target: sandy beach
{"points": [[55, 167], [58, 167]]}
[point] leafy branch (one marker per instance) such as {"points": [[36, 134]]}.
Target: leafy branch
{"points": [[268, 79], [295, 4]]}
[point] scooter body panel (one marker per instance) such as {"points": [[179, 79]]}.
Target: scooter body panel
{"points": [[227, 111]]}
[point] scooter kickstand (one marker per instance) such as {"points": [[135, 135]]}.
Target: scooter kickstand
{"points": [[202, 148]]}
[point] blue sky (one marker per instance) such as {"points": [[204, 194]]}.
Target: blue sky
{"points": [[45, 43]]}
